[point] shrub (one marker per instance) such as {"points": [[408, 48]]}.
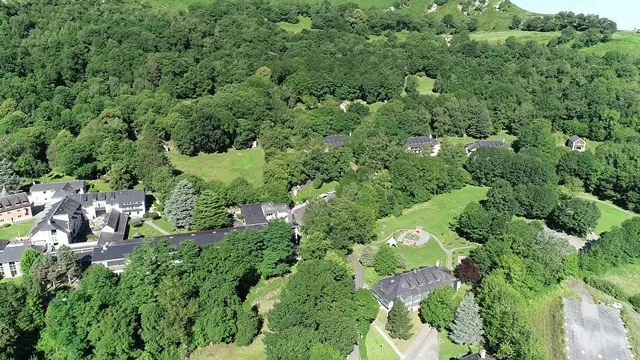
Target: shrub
{"points": [[136, 222], [151, 215], [635, 301], [368, 256]]}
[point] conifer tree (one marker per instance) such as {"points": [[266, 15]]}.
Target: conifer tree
{"points": [[398, 321], [8, 178], [180, 205], [209, 212], [467, 325]]}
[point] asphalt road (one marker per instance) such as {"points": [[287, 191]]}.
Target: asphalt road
{"points": [[425, 346]]}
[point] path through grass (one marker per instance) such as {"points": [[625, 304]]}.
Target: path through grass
{"points": [[225, 167]]}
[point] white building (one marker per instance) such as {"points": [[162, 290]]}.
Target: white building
{"points": [[128, 202], [10, 257], [418, 144], [261, 213], [60, 225], [45, 194]]}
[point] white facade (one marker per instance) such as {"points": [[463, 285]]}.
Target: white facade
{"points": [[11, 269], [129, 202], [100, 208], [46, 194], [53, 236]]}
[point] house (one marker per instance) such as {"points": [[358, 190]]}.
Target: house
{"points": [[448, 39], [44, 194], [60, 225], [255, 214], [479, 356], [14, 208], [412, 286], [114, 229], [469, 148], [576, 143], [418, 143], [343, 105], [334, 140], [113, 255], [129, 202], [10, 257]]}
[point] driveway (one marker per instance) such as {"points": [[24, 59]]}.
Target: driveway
{"points": [[357, 270], [424, 347]]}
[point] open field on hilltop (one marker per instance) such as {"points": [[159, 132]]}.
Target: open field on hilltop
{"points": [[436, 215], [20, 229], [626, 277], [182, 5], [248, 164], [501, 36], [303, 23], [627, 42]]}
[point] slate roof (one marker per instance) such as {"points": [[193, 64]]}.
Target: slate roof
{"points": [[75, 185], [118, 250], [420, 281], [475, 357], [253, 214], [112, 197], [3, 244], [575, 138], [418, 142], [14, 201], [486, 143], [13, 253], [335, 140], [66, 206], [116, 221]]}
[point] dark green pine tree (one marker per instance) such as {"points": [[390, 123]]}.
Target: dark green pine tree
{"points": [[8, 178], [398, 321], [209, 212]]}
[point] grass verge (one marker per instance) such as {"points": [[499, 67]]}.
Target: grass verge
{"points": [[20, 229]]}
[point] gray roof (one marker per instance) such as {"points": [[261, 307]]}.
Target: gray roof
{"points": [[15, 201], [575, 138], [420, 281], [3, 244], [475, 357], [486, 143], [335, 140], [420, 141], [75, 185], [66, 206], [253, 214], [112, 197], [13, 253], [118, 222], [118, 250]]}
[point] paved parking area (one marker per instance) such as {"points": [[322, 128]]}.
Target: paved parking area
{"points": [[595, 332]]}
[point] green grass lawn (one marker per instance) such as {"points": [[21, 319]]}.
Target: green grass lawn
{"points": [[546, 314], [436, 215], [425, 85], [15, 280], [403, 345], [611, 216], [501, 36], [378, 348], [627, 42], [146, 230], [92, 185], [626, 277], [303, 23], [20, 229], [225, 167], [165, 225], [464, 140], [423, 255], [449, 349], [310, 192]]}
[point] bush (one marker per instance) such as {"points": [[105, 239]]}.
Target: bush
{"points": [[6, 225], [151, 215], [635, 301], [136, 222], [606, 287], [368, 256]]}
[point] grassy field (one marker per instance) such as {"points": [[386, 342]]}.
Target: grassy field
{"points": [[425, 85], [436, 215], [303, 23], [626, 277], [402, 345], [611, 216], [464, 140], [501, 36], [225, 167], [20, 229], [165, 225], [310, 192], [378, 348], [450, 350], [146, 230], [546, 314], [627, 42]]}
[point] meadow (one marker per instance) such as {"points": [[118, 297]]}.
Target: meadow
{"points": [[626, 277], [248, 164], [20, 229]]}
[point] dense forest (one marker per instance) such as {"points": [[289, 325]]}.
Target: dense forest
{"points": [[97, 89]]}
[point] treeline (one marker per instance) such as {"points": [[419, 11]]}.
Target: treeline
{"points": [[166, 302]]}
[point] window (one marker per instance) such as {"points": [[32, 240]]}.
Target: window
{"points": [[2, 276], [12, 269]]}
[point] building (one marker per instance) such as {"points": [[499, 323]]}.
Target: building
{"points": [[419, 143], [576, 143], [113, 255], [60, 225], [470, 148], [343, 105], [334, 140], [129, 202], [412, 286], [255, 214], [44, 194], [114, 229], [10, 257], [480, 356], [14, 208]]}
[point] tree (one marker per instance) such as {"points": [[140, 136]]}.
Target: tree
{"points": [[398, 321], [515, 22], [29, 258], [180, 205], [209, 212], [501, 198], [241, 192], [278, 247], [248, 325], [439, 307], [8, 178], [385, 261], [477, 224], [315, 246], [468, 271], [467, 325], [575, 216], [367, 258]]}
